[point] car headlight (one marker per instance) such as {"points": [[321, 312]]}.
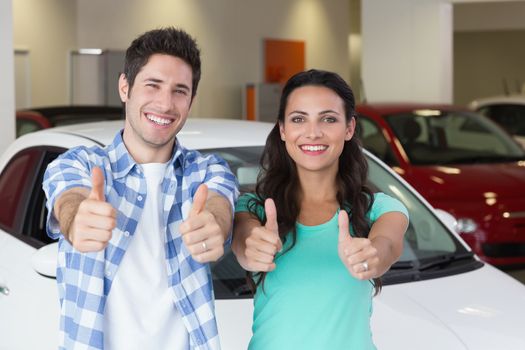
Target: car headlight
{"points": [[466, 225]]}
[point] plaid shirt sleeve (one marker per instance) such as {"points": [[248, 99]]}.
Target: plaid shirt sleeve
{"points": [[220, 179], [69, 170]]}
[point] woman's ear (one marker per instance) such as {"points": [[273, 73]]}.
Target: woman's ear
{"points": [[350, 129], [281, 131], [123, 88]]}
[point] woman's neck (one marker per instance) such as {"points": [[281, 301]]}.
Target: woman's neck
{"points": [[317, 199]]}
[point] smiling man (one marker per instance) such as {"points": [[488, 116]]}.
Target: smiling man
{"points": [[139, 220]]}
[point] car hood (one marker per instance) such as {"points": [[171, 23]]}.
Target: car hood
{"points": [[481, 309], [468, 182]]}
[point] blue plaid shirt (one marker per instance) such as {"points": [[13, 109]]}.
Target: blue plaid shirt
{"points": [[84, 279]]}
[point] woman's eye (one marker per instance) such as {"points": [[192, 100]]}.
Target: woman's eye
{"points": [[297, 119], [330, 119]]}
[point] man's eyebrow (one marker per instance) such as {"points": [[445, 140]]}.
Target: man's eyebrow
{"points": [[183, 86], [159, 81]]}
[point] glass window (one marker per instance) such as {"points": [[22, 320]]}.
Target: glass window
{"points": [[427, 241], [510, 116], [374, 141], [15, 188], [443, 137]]}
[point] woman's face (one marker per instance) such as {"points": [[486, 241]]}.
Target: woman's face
{"points": [[315, 128]]}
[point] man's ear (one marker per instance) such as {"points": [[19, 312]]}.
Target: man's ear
{"points": [[123, 88], [350, 129]]}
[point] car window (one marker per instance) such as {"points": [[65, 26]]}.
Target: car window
{"points": [[426, 238], [452, 138], [24, 215], [509, 116], [15, 188], [34, 228], [24, 126], [373, 140]]}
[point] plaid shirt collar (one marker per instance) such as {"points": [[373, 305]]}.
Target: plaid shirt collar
{"points": [[122, 162]]}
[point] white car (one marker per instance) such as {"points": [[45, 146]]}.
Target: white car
{"points": [[507, 111], [438, 296]]}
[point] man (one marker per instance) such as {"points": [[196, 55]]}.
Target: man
{"points": [[136, 222]]}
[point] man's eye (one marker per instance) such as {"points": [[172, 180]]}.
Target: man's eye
{"points": [[152, 85], [181, 92]]}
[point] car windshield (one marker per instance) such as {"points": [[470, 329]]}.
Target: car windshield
{"points": [[430, 250], [510, 116], [431, 137]]}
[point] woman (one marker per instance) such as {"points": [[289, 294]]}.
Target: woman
{"points": [[315, 273]]}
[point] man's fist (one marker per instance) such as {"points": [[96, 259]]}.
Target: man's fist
{"points": [[201, 233], [95, 218]]}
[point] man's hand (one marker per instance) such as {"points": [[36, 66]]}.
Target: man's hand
{"points": [[263, 242], [358, 254], [94, 220], [201, 233]]}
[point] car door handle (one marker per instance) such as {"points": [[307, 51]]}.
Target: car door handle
{"points": [[4, 290]]}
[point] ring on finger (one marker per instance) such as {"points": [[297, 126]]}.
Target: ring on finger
{"points": [[365, 265], [204, 246]]}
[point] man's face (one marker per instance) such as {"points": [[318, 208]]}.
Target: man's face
{"points": [[157, 107]]}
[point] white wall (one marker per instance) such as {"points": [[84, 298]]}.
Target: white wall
{"points": [[230, 34], [7, 95], [47, 28], [407, 50]]}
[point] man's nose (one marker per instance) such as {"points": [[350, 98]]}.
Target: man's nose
{"points": [[164, 100]]}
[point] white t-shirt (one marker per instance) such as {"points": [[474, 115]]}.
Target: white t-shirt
{"points": [[140, 312]]}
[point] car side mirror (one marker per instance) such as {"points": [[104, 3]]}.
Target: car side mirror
{"points": [[44, 260], [447, 218]]}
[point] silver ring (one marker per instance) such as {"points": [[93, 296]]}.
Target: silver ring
{"points": [[365, 266], [204, 246]]}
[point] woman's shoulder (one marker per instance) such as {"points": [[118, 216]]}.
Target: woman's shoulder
{"points": [[384, 203], [250, 202]]}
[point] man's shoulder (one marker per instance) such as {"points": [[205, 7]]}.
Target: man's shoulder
{"points": [[86, 153]]}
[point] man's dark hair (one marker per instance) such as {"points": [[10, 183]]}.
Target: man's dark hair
{"points": [[169, 41]]}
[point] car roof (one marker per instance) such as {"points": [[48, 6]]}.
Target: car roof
{"points": [[393, 108], [198, 133], [493, 100]]}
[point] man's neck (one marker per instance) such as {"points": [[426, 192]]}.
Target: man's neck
{"points": [[143, 153]]}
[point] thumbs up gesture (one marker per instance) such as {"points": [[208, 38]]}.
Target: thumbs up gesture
{"points": [[94, 220], [201, 232], [263, 242], [357, 254]]}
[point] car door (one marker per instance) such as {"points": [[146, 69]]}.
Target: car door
{"points": [[29, 306]]}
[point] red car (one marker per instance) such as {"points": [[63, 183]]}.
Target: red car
{"points": [[29, 120], [460, 162]]}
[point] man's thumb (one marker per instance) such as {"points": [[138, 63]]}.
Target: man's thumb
{"points": [[344, 232], [271, 215], [199, 200], [97, 183]]}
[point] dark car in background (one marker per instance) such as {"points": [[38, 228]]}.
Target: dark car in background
{"points": [[29, 120], [461, 162]]}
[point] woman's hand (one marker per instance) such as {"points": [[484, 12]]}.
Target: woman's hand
{"points": [[358, 254], [255, 245]]}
